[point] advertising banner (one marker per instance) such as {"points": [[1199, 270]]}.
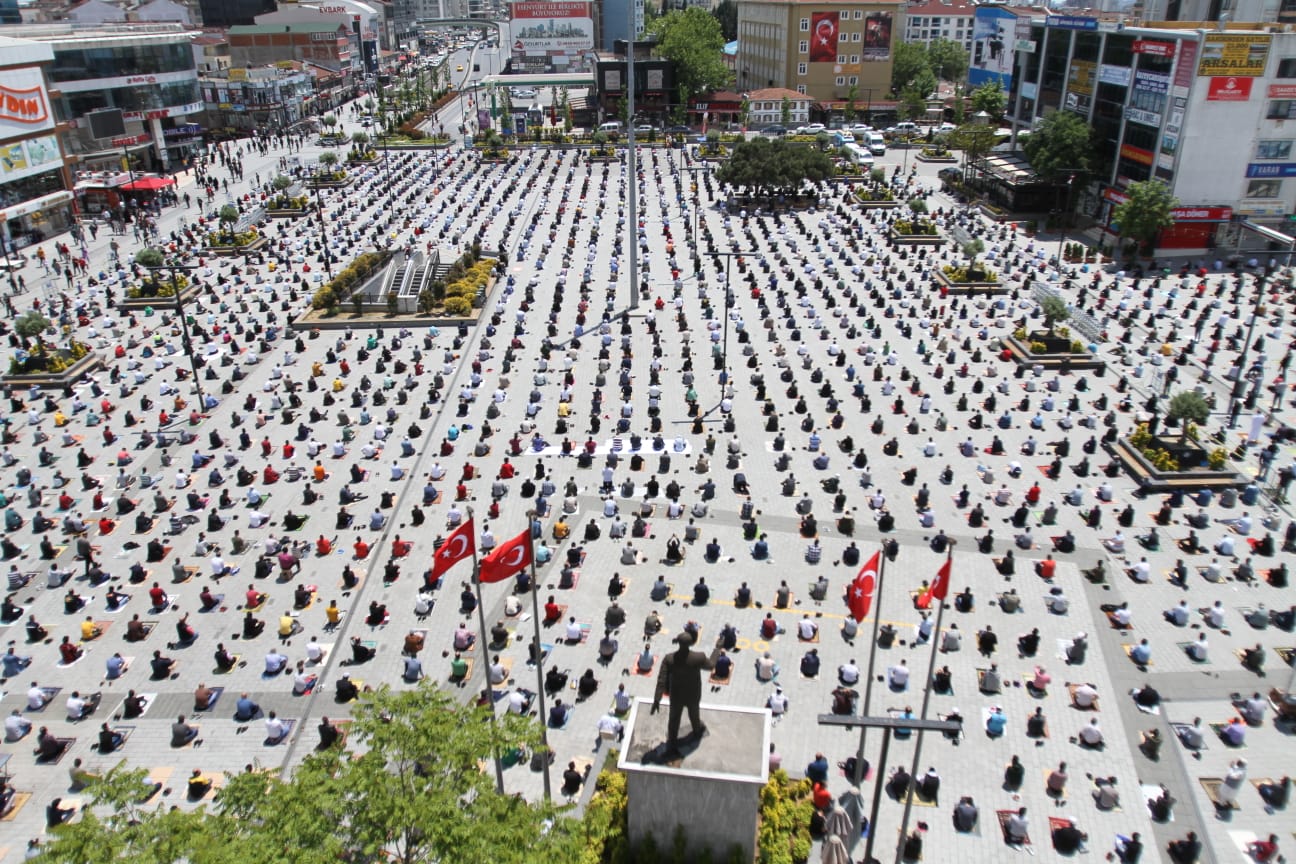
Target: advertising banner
{"points": [[823, 37], [1147, 118], [994, 30], [1151, 82], [540, 26], [24, 104], [1282, 91], [1229, 89], [1239, 54], [1081, 77], [1183, 74], [1118, 75], [1137, 154], [877, 36], [1271, 169], [29, 157], [1156, 49], [1071, 22]]}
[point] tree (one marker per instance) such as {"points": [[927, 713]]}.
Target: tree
{"points": [[990, 98], [1060, 143], [692, 40], [972, 249], [1055, 311], [416, 796], [764, 167], [974, 139], [281, 182], [32, 325], [328, 159], [726, 12], [329, 120], [744, 113], [913, 101], [360, 139], [948, 59], [852, 95], [785, 111], [228, 215], [1146, 210], [1188, 406], [908, 62]]}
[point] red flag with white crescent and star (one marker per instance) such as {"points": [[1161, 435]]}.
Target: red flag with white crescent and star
{"points": [[506, 559], [860, 597], [458, 546]]}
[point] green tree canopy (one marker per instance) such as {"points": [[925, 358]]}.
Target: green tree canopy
{"points": [[990, 98], [947, 59], [1145, 211], [764, 167], [910, 65], [974, 139], [1059, 144], [414, 794], [692, 40], [1055, 311], [1188, 406]]}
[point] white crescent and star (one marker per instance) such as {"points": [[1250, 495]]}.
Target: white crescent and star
{"points": [[515, 556]]}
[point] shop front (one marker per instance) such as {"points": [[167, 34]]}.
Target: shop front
{"points": [[1195, 226], [37, 219]]}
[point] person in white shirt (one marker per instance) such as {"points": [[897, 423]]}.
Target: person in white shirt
{"points": [[1121, 615], [620, 700], [807, 629], [1198, 649], [1215, 615], [1191, 736], [314, 651], [777, 702], [519, 702], [256, 519], [952, 640], [848, 673], [574, 631], [1140, 571], [610, 725], [1085, 696], [1091, 735], [16, 726], [898, 676], [37, 698], [1178, 616], [497, 671], [276, 729]]}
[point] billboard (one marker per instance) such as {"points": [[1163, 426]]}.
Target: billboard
{"points": [[24, 104], [877, 36], [542, 26], [993, 34], [1241, 55], [823, 37], [1229, 89]]}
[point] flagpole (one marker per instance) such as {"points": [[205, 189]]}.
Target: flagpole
{"points": [[539, 655], [487, 691], [858, 776], [927, 689]]}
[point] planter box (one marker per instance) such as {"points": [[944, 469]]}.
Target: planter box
{"points": [[1021, 353], [916, 239], [287, 214], [70, 375], [876, 205], [330, 184], [1151, 479], [139, 304], [226, 251], [948, 160], [970, 287]]}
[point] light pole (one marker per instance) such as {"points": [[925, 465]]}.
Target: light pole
{"points": [[723, 366], [694, 169], [319, 216], [1062, 220], [187, 340]]}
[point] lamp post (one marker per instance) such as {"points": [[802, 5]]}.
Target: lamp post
{"points": [[728, 304], [319, 221], [186, 339], [694, 169], [1062, 220]]}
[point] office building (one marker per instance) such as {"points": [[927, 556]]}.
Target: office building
{"points": [[939, 19], [818, 48]]}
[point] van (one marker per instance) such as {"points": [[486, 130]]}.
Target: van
{"points": [[858, 156], [876, 144], [611, 126]]}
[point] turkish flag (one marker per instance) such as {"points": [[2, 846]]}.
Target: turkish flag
{"points": [[860, 597], [458, 546], [506, 559], [940, 588]]}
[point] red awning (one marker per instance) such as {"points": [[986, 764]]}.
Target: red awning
{"points": [[149, 184]]}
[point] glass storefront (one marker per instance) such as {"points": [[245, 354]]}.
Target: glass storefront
{"points": [[149, 98], [17, 191], [87, 64]]}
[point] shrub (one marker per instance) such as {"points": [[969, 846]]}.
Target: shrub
{"points": [[458, 306], [1019, 333], [1038, 348], [1077, 347], [965, 274], [786, 808]]}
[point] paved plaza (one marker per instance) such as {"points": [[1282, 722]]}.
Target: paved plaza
{"points": [[852, 391]]}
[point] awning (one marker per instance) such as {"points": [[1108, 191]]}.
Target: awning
{"points": [[149, 184]]}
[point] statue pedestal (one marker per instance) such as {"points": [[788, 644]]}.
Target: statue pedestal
{"points": [[710, 788]]}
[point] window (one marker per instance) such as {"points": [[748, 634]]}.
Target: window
{"points": [[859, 14], [844, 15], [841, 81], [854, 58], [855, 37], [801, 88], [1287, 68], [917, 21], [841, 58], [801, 68], [853, 80], [1273, 149], [1281, 109], [842, 36], [1264, 189], [803, 47], [805, 25]]}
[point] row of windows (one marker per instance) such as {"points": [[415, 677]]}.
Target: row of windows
{"points": [[844, 15], [134, 98], [121, 61], [1264, 189], [960, 22]]}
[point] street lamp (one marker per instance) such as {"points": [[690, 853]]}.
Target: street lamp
{"points": [[319, 216], [147, 255], [728, 304], [694, 169]]}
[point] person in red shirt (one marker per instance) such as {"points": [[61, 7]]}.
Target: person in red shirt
{"points": [[69, 651], [157, 596], [1033, 494], [401, 548], [269, 475], [266, 447], [288, 450], [552, 611], [323, 546], [1047, 568], [105, 525], [361, 549], [65, 501], [254, 597], [507, 470], [1264, 850]]}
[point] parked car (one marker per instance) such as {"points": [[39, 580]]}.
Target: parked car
{"points": [[644, 128], [811, 129], [776, 129], [945, 128], [679, 130], [522, 93], [903, 128], [860, 129]]}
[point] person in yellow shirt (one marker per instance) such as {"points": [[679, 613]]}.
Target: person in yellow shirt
{"points": [[338, 385], [561, 529], [317, 369], [333, 613], [287, 625], [89, 629], [60, 419]]}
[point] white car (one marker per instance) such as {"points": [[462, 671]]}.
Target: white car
{"points": [[523, 93], [861, 129], [812, 129], [945, 128]]}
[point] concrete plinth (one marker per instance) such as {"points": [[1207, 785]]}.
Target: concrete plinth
{"points": [[711, 788]]}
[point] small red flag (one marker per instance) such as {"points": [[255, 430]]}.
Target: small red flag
{"points": [[506, 559], [458, 546], [940, 588], [860, 597]]}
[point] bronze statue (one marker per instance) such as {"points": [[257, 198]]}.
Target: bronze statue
{"points": [[681, 677]]}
